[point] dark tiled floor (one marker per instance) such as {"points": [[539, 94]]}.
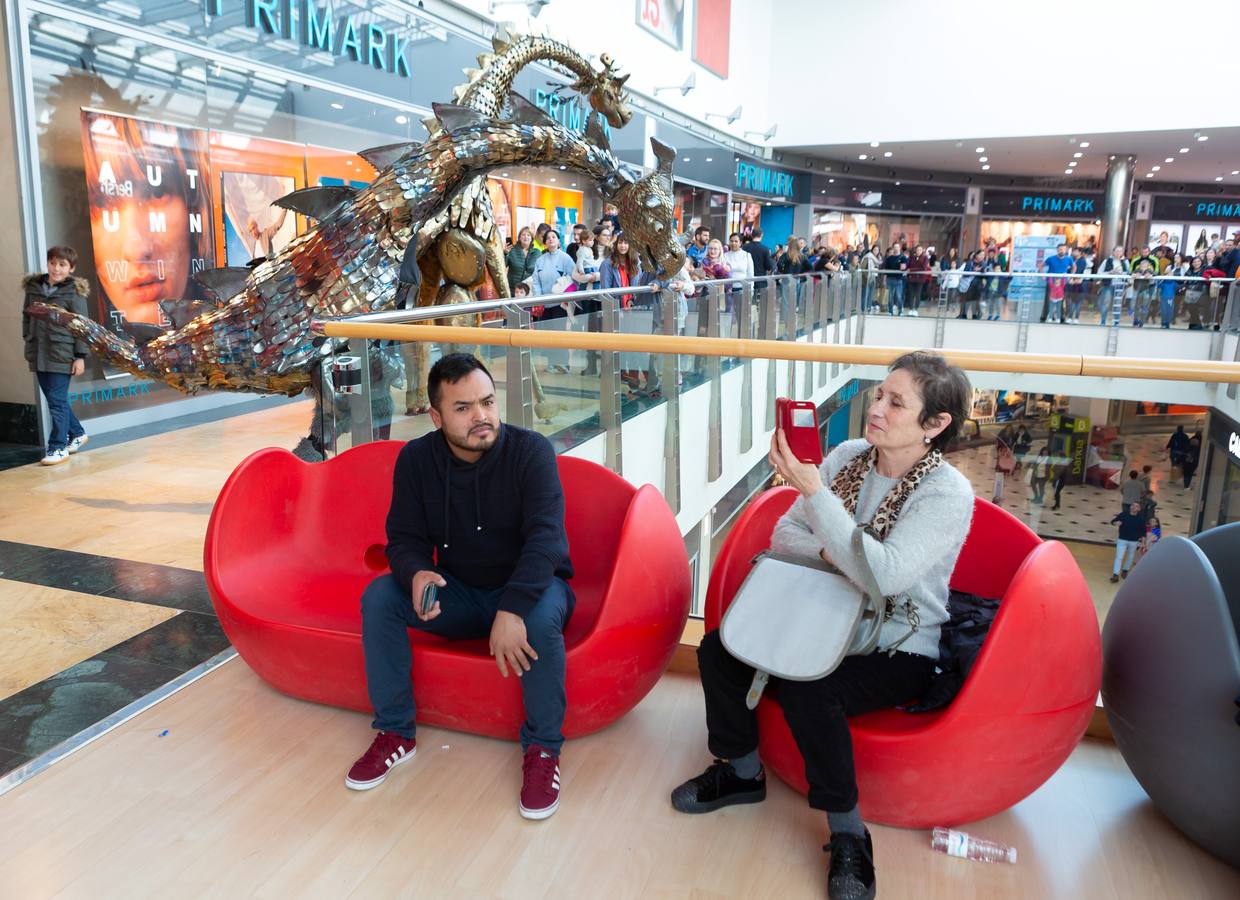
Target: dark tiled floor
{"points": [[43, 715], [123, 579], [12, 456]]}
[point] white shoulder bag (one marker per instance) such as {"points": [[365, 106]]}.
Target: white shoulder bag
{"points": [[797, 618]]}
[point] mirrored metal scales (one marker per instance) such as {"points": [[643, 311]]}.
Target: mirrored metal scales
{"points": [[258, 337]]}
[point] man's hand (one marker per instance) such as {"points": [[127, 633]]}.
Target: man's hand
{"points": [[805, 477], [79, 366], [509, 646], [420, 581]]}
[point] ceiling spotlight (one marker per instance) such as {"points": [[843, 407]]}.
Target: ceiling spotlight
{"points": [[862, 156], [1155, 168], [1073, 163], [1084, 144], [1183, 149], [831, 181], [337, 106], [897, 184], [1149, 174], [979, 149], [1169, 159], [562, 168], [402, 120], [1218, 178], [887, 153], [1077, 155], [823, 191], [710, 159], [983, 159], [986, 168], [552, 179], [1067, 171], [1235, 171], [1203, 137], [685, 159], [687, 85]]}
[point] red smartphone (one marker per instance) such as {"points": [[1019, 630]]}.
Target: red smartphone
{"points": [[799, 421]]}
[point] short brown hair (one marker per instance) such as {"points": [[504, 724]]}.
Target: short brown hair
{"points": [[944, 389], [61, 251]]}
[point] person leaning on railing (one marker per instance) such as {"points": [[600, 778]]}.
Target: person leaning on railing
{"points": [[918, 509]]}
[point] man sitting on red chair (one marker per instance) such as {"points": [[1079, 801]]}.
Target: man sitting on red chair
{"points": [[478, 511]]}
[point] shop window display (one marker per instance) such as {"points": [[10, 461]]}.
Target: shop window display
{"points": [[156, 165]]}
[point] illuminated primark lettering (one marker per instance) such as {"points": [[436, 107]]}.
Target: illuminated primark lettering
{"points": [[1233, 445], [1218, 209], [569, 113], [320, 28], [1045, 203], [768, 181]]}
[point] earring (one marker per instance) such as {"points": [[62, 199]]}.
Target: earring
{"points": [[926, 439]]}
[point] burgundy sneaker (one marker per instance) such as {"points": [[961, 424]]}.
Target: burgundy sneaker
{"points": [[540, 783], [387, 751]]}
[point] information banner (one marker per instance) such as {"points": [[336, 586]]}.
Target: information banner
{"points": [[1028, 253]]}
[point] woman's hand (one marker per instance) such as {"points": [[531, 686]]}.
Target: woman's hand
{"points": [[802, 476]]}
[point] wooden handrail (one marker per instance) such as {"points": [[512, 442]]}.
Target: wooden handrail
{"points": [[970, 360]]}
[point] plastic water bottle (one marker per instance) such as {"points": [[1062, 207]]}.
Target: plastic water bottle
{"points": [[958, 843]]}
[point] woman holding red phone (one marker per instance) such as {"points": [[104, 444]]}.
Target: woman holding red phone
{"points": [[917, 509]]}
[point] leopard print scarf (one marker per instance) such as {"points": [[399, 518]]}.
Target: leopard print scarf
{"points": [[847, 486]]}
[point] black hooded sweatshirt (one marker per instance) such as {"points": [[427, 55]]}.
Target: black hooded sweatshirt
{"points": [[496, 523]]}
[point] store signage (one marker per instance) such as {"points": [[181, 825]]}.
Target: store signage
{"points": [[750, 177], [1050, 203], [568, 111], [320, 28], [1213, 210], [1233, 445], [1208, 210]]}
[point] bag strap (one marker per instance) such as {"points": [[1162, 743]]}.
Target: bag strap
{"points": [[876, 603]]}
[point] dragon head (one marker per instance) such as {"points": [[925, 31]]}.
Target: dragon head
{"points": [[645, 209], [605, 91]]}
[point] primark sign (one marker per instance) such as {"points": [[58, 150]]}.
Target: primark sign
{"points": [[372, 43]]}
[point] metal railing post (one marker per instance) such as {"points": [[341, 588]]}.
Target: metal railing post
{"points": [[768, 310], [610, 412], [824, 322], [670, 378], [790, 284], [744, 331], [361, 419], [714, 374], [519, 381]]}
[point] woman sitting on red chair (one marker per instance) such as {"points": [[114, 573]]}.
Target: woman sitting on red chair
{"points": [[918, 509]]}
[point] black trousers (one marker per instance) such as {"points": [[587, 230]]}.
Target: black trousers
{"points": [[817, 712]]}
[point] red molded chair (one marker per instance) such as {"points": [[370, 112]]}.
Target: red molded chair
{"points": [[291, 546], [1024, 707]]}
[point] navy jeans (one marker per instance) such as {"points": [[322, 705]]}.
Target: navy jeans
{"points": [[65, 425], [464, 613], [895, 295]]}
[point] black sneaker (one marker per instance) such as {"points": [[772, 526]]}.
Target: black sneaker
{"points": [[851, 873], [717, 787]]}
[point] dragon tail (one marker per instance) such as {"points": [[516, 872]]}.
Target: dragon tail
{"points": [[112, 348]]}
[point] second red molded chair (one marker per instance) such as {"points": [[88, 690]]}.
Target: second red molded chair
{"points": [[291, 545], [1022, 710]]}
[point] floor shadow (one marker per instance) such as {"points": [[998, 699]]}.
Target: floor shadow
{"points": [[197, 509]]}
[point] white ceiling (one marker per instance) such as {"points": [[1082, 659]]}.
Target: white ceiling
{"points": [[1049, 156]]}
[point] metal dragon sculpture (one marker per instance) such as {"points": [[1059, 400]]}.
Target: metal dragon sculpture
{"points": [[462, 244], [259, 339]]}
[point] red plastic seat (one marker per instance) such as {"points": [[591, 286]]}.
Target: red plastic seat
{"points": [[291, 546], [1024, 707]]}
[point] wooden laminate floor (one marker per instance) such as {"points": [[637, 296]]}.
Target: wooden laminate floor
{"points": [[243, 796]]}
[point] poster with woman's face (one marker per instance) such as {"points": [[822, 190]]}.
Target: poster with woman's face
{"points": [[149, 192]]}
